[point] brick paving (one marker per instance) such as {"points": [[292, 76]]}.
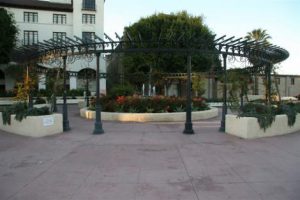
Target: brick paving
{"points": [[148, 161]]}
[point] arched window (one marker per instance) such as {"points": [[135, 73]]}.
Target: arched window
{"points": [[87, 73]]}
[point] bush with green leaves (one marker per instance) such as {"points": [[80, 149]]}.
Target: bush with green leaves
{"points": [[8, 93], [21, 111], [75, 92], [266, 114], [121, 90], [39, 100], [138, 104]]}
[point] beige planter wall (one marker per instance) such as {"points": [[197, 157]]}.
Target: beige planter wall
{"points": [[149, 117], [34, 126], [248, 127]]}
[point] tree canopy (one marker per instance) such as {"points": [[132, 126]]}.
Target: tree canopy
{"points": [[175, 26], [259, 35], [8, 35]]}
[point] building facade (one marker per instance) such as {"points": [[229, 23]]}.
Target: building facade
{"points": [[288, 86], [39, 20]]}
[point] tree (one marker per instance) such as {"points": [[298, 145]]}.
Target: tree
{"points": [[8, 35], [239, 81], [198, 86], [180, 27], [258, 35]]}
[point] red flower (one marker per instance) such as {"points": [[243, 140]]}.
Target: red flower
{"points": [[120, 100]]}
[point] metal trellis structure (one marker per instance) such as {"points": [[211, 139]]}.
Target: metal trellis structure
{"points": [[71, 49]]}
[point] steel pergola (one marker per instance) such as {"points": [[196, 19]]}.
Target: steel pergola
{"points": [[71, 49]]}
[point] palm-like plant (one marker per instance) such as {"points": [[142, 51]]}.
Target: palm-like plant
{"points": [[259, 35]]}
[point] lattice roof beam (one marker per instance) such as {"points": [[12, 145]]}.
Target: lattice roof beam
{"points": [[226, 40], [72, 41], [100, 39], [220, 38]]}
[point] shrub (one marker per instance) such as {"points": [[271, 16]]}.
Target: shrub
{"points": [[21, 111], [8, 93], [156, 104], [265, 114], [121, 90], [44, 93], [75, 92], [39, 100], [38, 111], [289, 110]]}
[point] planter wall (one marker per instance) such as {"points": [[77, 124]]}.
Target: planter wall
{"points": [[248, 127], [34, 126], [149, 117]]}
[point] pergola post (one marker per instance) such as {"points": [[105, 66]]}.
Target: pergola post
{"points": [[87, 88], [98, 124], [224, 107], [269, 69], [66, 126], [30, 98], [188, 123]]}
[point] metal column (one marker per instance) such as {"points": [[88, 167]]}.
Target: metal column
{"points": [[98, 124], [188, 123], [66, 126], [224, 107]]}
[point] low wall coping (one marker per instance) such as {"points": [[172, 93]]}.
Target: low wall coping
{"points": [[149, 117]]}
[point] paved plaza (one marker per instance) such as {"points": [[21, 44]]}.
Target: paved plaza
{"points": [[148, 161]]}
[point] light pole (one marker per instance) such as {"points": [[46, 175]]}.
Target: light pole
{"points": [[98, 124]]}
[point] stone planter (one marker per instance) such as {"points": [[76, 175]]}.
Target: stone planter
{"points": [[34, 126], [248, 127], [149, 117]]}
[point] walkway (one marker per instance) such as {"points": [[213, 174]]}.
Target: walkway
{"points": [[138, 161]]}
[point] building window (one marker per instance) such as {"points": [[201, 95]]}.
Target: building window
{"points": [[278, 81], [292, 81], [30, 17], [2, 75], [88, 5], [31, 37], [88, 36], [57, 35], [59, 19], [88, 19]]}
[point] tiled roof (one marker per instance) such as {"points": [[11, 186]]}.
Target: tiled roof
{"points": [[37, 5]]}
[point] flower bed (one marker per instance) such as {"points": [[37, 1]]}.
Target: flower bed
{"points": [[149, 117], [148, 109], [156, 104]]}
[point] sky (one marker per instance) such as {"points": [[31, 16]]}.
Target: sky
{"points": [[280, 18]]}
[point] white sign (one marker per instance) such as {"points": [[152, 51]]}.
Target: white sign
{"points": [[48, 121]]}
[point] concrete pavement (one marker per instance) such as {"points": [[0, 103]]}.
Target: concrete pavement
{"points": [[148, 161]]}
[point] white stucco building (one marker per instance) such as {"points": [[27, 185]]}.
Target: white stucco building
{"points": [[39, 20]]}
